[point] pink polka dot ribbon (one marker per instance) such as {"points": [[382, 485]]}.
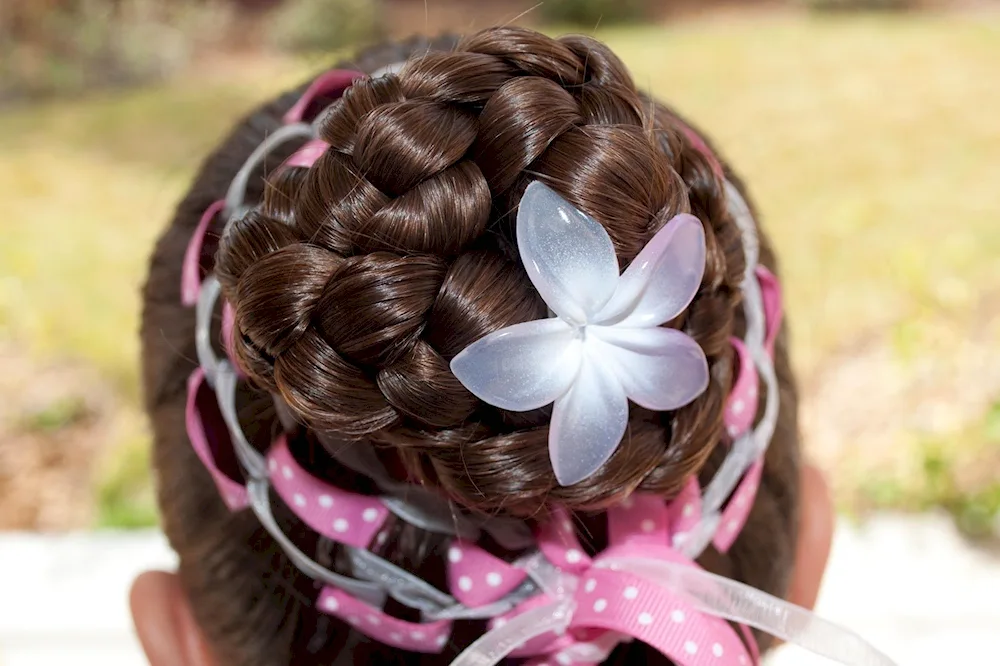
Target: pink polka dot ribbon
{"points": [[558, 542], [629, 605], [307, 155], [191, 268], [770, 289], [741, 406], [429, 637], [699, 144], [741, 410], [737, 511], [345, 517], [330, 84], [477, 578], [228, 324], [209, 436], [641, 520], [613, 604], [684, 512]]}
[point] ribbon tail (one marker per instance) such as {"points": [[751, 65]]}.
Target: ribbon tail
{"points": [[496, 644], [740, 603]]}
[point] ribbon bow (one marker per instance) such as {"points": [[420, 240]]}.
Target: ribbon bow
{"points": [[589, 606], [640, 588]]}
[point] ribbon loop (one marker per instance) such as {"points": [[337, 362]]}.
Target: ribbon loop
{"points": [[587, 616], [675, 607]]}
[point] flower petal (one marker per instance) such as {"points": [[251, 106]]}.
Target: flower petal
{"points": [[588, 423], [568, 255], [659, 368], [521, 367], [663, 279]]}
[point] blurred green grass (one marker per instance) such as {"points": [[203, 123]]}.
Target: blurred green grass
{"points": [[962, 480], [870, 144], [87, 186]]}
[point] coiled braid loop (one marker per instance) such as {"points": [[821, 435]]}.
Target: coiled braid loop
{"points": [[358, 279]]}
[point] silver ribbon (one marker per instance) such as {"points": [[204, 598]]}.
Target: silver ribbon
{"points": [[236, 195], [750, 446], [260, 503]]}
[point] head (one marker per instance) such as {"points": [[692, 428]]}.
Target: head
{"points": [[355, 281]]}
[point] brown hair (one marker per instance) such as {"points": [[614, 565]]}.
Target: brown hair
{"points": [[355, 282]]}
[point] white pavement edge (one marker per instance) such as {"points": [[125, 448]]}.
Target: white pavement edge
{"points": [[915, 589], [910, 585], [65, 597]]}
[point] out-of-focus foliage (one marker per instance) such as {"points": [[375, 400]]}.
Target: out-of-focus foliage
{"points": [[858, 5], [325, 25], [593, 13], [63, 47], [956, 473]]}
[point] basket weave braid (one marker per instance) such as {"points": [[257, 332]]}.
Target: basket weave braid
{"points": [[357, 280]]}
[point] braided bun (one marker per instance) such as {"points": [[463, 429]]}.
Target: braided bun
{"points": [[357, 280]]}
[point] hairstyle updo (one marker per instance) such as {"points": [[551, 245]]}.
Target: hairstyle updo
{"points": [[357, 280]]}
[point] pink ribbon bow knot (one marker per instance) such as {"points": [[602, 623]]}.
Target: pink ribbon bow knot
{"points": [[634, 590]]}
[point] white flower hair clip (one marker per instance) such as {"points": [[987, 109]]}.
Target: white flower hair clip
{"points": [[604, 344]]}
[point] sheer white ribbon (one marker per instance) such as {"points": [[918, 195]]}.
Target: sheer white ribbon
{"points": [[708, 593]]}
